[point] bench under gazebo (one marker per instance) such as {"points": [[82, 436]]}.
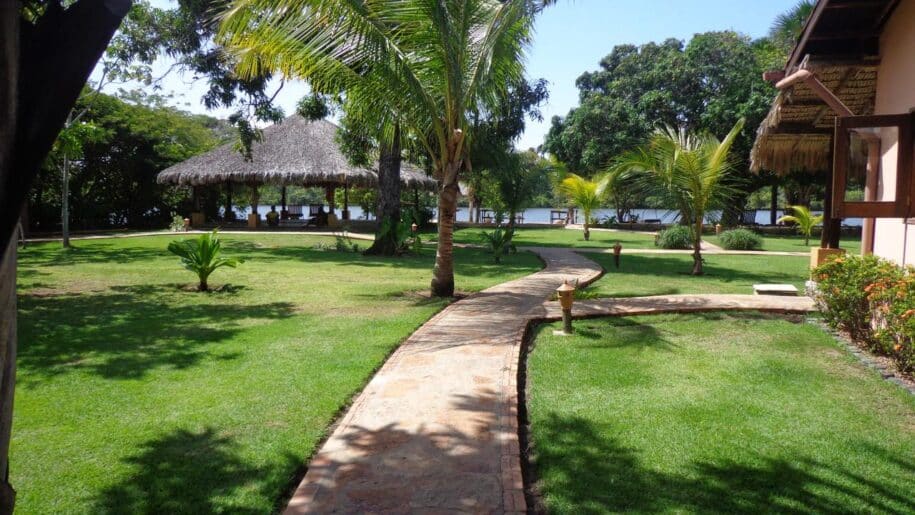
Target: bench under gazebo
{"points": [[296, 152]]}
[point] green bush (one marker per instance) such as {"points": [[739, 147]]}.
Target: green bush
{"points": [[676, 237], [498, 243], [874, 301], [201, 256], [740, 239]]}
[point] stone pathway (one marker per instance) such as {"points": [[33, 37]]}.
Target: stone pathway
{"points": [[682, 304], [436, 429]]}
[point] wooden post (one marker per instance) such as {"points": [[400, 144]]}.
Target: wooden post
{"points": [[329, 197], [345, 202], [283, 213], [773, 206], [870, 194], [229, 214], [832, 227], [254, 217]]}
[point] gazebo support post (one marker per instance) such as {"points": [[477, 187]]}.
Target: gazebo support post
{"points": [[197, 216], [284, 214], [229, 213], [832, 227], [254, 217], [345, 202], [773, 205]]}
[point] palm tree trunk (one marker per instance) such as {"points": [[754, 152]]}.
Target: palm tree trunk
{"points": [[443, 273], [7, 366], [587, 231], [388, 198], [65, 202], [697, 248]]}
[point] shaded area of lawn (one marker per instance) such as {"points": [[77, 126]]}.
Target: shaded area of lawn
{"points": [[795, 243], [715, 413], [137, 395], [559, 237], [669, 274]]}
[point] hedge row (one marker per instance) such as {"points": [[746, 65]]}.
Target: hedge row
{"points": [[874, 301]]}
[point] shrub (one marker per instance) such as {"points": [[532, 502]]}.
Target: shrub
{"points": [[874, 301], [499, 243], [676, 237], [740, 239], [201, 256], [177, 224]]}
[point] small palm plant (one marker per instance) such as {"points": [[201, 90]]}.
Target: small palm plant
{"points": [[586, 194], [804, 220], [499, 243], [201, 256]]}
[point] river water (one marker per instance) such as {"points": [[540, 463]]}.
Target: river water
{"points": [[541, 215]]}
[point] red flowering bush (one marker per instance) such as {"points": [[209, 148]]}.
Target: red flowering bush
{"points": [[874, 301]]}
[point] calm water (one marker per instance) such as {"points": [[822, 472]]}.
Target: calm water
{"points": [[541, 215]]}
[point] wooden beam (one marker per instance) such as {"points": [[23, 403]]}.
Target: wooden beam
{"points": [[814, 18]]}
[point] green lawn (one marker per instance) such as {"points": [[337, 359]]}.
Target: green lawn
{"points": [[560, 237], [667, 274], [796, 243], [136, 395], [715, 413]]}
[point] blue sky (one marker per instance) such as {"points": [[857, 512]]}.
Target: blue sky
{"points": [[571, 38]]}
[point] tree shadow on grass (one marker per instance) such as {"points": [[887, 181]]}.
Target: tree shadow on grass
{"points": [[588, 470], [128, 331], [627, 332], [91, 252], [189, 472]]}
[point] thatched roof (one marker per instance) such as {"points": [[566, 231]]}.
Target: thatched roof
{"points": [[296, 152], [840, 44], [796, 135]]}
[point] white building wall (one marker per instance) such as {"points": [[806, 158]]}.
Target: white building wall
{"points": [[893, 238]]}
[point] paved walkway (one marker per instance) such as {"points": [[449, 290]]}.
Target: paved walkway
{"points": [[682, 304], [436, 429]]}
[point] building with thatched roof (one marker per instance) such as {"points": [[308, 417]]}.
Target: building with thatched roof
{"points": [[295, 152], [843, 108]]}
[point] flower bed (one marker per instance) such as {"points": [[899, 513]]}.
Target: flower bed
{"points": [[874, 301]]}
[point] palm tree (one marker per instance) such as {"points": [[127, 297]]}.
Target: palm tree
{"points": [[586, 194], [692, 171], [429, 62], [804, 219], [788, 26]]}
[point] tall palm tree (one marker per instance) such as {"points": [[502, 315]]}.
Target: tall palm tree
{"points": [[692, 171], [804, 220], [787, 26], [430, 61], [586, 194]]}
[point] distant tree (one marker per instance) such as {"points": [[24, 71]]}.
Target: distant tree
{"points": [[114, 161], [510, 188], [787, 26], [705, 85]]}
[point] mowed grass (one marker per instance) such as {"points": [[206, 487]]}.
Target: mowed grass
{"points": [[137, 395], [715, 414], [561, 237], [795, 243], [669, 274]]}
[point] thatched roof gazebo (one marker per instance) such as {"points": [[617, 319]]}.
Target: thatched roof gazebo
{"points": [[296, 152]]}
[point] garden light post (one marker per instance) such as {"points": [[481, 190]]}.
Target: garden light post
{"points": [[566, 297], [717, 229], [414, 228], [617, 250]]}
